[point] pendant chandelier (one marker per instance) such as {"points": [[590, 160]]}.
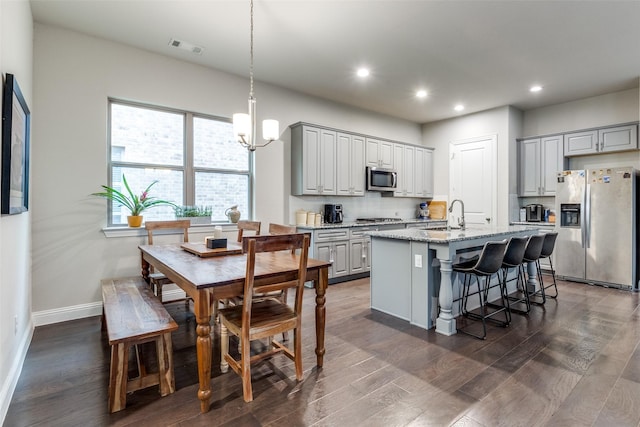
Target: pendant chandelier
{"points": [[244, 125]]}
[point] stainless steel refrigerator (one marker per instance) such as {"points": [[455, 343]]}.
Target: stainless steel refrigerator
{"points": [[597, 226]]}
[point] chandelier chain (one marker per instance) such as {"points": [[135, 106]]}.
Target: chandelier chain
{"points": [[251, 54]]}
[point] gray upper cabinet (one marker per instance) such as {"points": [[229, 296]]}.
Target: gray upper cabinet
{"points": [[313, 160], [618, 138], [606, 140], [578, 143], [540, 160], [379, 153], [350, 165], [403, 163], [327, 161], [423, 185]]}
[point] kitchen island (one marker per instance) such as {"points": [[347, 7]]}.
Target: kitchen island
{"points": [[411, 270]]}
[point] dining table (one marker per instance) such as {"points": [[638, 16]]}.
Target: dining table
{"points": [[205, 279]]}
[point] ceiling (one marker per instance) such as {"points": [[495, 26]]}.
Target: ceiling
{"points": [[482, 54]]}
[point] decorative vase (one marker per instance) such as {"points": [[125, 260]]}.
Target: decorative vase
{"points": [[134, 220], [233, 214]]}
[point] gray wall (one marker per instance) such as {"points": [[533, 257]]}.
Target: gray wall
{"points": [[74, 75], [16, 57], [611, 108], [495, 121]]}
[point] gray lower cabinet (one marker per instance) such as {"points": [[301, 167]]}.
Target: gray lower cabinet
{"points": [[360, 254], [333, 245], [349, 248]]}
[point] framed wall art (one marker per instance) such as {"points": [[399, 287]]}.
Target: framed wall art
{"points": [[14, 198]]}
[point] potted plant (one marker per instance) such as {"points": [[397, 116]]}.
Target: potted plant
{"points": [[197, 214], [135, 204]]}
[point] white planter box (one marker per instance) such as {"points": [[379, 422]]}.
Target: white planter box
{"points": [[197, 219]]}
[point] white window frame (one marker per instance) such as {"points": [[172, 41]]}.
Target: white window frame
{"points": [[188, 168]]}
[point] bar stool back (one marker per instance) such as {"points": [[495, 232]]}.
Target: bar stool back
{"points": [[487, 264], [513, 258]]}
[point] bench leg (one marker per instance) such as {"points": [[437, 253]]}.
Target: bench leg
{"points": [[118, 377], [165, 364]]}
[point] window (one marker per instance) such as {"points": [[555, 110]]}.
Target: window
{"points": [[194, 158]]}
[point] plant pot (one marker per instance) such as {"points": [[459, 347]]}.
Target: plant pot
{"points": [[197, 219], [134, 220]]}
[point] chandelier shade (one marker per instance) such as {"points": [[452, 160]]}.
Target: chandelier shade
{"points": [[244, 125]]}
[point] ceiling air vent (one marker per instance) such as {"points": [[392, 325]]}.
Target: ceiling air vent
{"points": [[186, 46]]}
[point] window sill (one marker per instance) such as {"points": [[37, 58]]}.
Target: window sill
{"points": [[124, 231]]}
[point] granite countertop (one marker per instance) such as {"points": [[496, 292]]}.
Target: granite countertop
{"points": [[541, 224], [349, 224], [453, 235]]}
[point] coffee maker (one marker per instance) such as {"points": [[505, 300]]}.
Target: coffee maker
{"points": [[333, 214]]}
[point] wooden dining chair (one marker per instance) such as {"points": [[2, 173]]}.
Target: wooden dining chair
{"points": [[248, 226], [283, 295], [158, 280], [282, 229], [266, 317]]}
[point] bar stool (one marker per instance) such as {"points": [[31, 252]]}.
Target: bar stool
{"points": [[487, 264], [547, 249], [532, 254], [513, 258]]}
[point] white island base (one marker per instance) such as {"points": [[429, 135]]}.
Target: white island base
{"points": [[411, 271]]}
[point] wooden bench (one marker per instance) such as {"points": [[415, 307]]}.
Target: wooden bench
{"points": [[132, 315]]}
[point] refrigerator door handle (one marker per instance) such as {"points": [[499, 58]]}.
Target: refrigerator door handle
{"points": [[586, 218]]}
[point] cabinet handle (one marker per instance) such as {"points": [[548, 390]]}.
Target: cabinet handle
{"points": [[330, 254]]}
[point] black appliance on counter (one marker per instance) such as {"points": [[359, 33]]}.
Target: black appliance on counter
{"points": [[535, 213], [333, 214]]}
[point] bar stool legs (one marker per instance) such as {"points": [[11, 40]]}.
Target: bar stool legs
{"points": [[484, 267], [548, 245]]}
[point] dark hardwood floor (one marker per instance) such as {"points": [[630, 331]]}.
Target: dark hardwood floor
{"points": [[573, 362]]}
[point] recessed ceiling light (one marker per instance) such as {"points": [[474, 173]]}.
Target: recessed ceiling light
{"points": [[535, 88], [421, 93], [459, 107], [363, 72]]}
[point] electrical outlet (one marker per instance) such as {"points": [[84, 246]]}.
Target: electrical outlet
{"points": [[417, 260], [15, 324]]}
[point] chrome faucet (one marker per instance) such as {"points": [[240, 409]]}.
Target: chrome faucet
{"points": [[461, 223]]}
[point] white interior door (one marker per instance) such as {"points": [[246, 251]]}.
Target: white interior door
{"points": [[473, 179]]}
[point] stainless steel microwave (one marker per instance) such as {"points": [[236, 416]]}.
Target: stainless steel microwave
{"points": [[379, 179]]}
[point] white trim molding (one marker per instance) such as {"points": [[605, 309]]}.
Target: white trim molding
{"points": [[63, 314], [9, 384]]}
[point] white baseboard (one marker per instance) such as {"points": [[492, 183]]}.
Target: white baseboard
{"points": [[57, 315], [9, 384], [63, 314]]}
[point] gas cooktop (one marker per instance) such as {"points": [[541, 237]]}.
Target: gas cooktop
{"points": [[378, 219]]}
